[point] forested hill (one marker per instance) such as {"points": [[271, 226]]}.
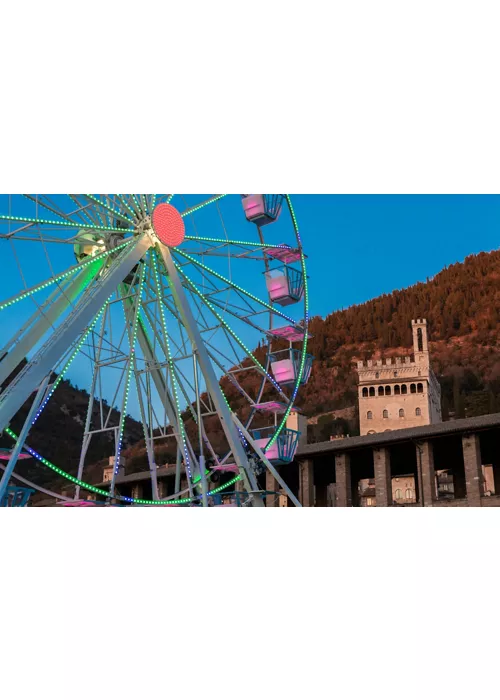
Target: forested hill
{"points": [[462, 307]]}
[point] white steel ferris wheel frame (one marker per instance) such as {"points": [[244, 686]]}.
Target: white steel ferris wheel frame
{"points": [[100, 281]]}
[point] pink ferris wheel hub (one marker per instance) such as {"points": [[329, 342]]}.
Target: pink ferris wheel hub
{"points": [[168, 224]]}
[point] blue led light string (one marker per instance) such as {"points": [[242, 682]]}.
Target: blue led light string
{"points": [[68, 364], [132, 334], [306, 325]]}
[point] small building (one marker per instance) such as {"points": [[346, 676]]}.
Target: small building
{"points": [[107, 472], [401, 392]]}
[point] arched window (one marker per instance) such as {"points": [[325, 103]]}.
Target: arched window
{"points": [[397, 389], [387, 390], [398, 495], [419, 340], [381, 391], [377, 375], [401, 413], [404, 389], [385, 414], [413, 389], [409, 494], [418, 412], [365, 392], [420, 388], [372, 391], [369, 415], [396, 373]]}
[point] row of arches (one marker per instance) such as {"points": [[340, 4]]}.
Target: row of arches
{"points": [[385, 413], [398, 389], [409, 495]]}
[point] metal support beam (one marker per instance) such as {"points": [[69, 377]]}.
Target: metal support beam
{"points": [[223, 410], [72, 328], [22, 437], [162, 390], [45, 321]]}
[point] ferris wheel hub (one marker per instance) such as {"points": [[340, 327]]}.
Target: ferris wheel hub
{"points": [[168, 224]]}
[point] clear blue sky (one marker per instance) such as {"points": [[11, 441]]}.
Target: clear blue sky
{"points": [[360, 246]]}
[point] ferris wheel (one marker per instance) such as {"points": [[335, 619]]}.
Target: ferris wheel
{"points": [[185, 313]]}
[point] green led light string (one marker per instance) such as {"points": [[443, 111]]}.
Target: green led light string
{"points": [[306, 325], [48, 222], [127, 206], [136, 203], [132, 335], [224, 486], [236, 286], [109, 208], [68, 364], [236, 337], [256, 244], [170, 364], [197, 207], [63, 275], [229, 329]]}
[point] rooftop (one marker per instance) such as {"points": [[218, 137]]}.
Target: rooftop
{"points": [[422, 432]]}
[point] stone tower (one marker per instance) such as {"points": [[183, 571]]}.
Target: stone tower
{"points": [[400, 393]]}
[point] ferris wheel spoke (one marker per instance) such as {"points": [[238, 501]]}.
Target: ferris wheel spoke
{"points": [[180, 423], [221, 242], [211, 349], [44, 201], [133, 321], [124, 202], [231, 361], [90, 406], [44, 320], [32, 374], [235, 361], [209, 375], [238, 288], [197, 207], [229, 375], [233, 334], [62, 276], [134, 312], [103, 205], [85, 210], [63, 224]]}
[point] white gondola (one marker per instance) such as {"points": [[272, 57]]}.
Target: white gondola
{"points": [[262, 209], [283, 450], [285, 366], [285, 285]]}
